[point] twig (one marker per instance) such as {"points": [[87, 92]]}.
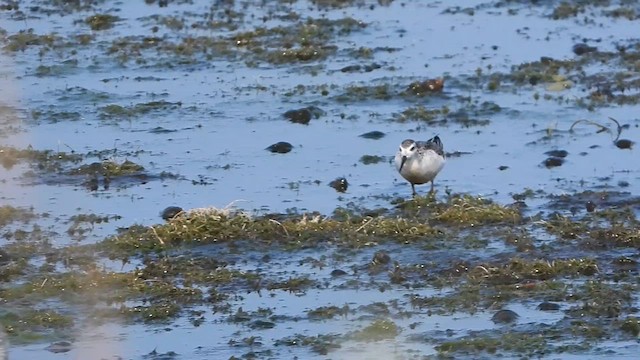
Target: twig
{"points": [[602, 127], [365, 224], [619, 128], [282, 226], [157, 236]]}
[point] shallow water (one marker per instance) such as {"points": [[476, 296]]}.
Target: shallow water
{"points": [[229, 112]]}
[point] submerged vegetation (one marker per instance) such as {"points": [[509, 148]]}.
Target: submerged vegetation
{"points": [[175, 271]]}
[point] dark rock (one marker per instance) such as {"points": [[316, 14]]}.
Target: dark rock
{"points": [[338, 273], [624, 144], [557, 153], [552, 162], [371, 67], [304, 115], [281, 147], [170, 212], [582, 48], [351, 68], [504, 317], [591, 206], [340, 184], [59, 347], [262, 324], [548, 306], [373, 135], [300, 116]]}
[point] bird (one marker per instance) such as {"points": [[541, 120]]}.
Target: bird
{"points": [[419, 162]]}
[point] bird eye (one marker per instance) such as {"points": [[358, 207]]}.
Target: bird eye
{"points": [[412, 148]]}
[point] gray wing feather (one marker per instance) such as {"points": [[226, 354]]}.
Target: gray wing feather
{"points": [[434, 144]]}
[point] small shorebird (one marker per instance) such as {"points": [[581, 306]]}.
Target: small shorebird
{"points": [[420, 161]]}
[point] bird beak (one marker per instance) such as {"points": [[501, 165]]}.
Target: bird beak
{"points": [[404, 159]]}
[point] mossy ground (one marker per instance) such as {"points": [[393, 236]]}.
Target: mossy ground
{"points": [[174, 272]]}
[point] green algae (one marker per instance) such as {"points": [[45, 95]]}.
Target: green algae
{"points": [[519, 269], [109, 168], [631, 325], [301, 41], [566, 10], [319, 344], [117, 111], [327, 312], [43, 160], [34, 325], [9, 214], [376, 331], [101, 21], [371, 159], [354, 93], [523, 343], [213, 225], [164, 286], [25, 39], [50, 166], [473, 211], [421, 113]]}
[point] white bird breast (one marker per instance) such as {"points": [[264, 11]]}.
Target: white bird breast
{"points": [[420, 169]]}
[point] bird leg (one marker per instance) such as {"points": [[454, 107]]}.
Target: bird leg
{"points": [[413, 189], [431, 187]]}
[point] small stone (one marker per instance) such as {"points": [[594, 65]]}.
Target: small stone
{"points": [[557, 153], [59, 347], [351, 68], [373, 135], [170, 212], [340, 184], [504, 317], [262, 324], [281, 147], [591, 206], [624, 144], [371, 67], [338, 273], [582, 48], [548, 306], [301, 116], [304, 115], [552, 162]]}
